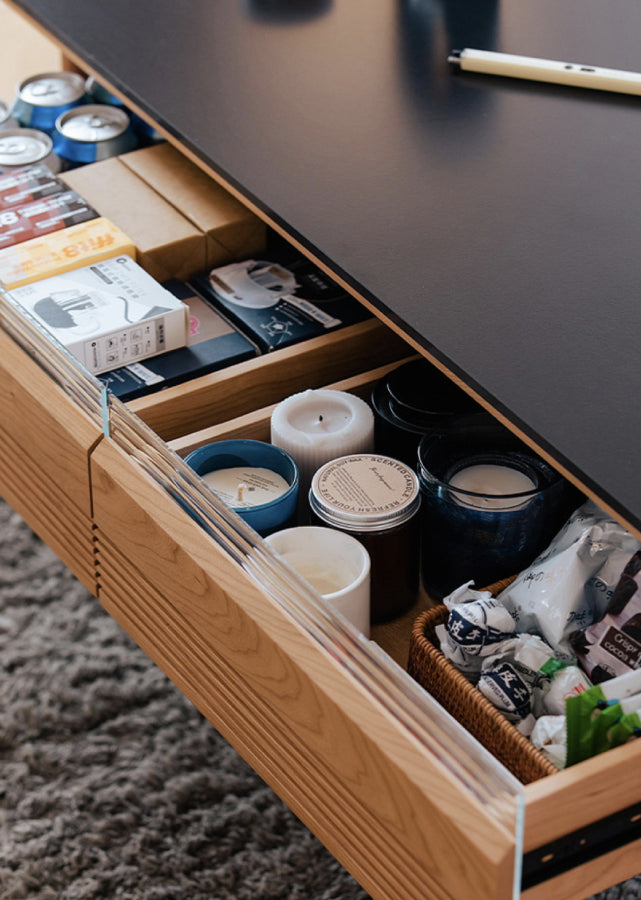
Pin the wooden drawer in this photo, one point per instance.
(45, 443)
(331, 721)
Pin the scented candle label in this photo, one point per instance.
(366, 486)
(244, 486)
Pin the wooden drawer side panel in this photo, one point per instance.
(307, 726)
(256, 425)
(45, 425)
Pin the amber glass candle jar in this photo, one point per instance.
(375, 498)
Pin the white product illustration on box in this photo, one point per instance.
(88, 312)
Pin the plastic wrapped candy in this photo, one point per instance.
(516, 676)
(549, 736)
(567, 681)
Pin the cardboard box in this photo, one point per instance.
(280, 300)
(168, 244)
(70, 248)
(212, 344)
(42, 217)
(234, 231)
(108, 313)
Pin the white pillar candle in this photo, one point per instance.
(334, 563)
(318, 425)
(243, 486)
(495, 483)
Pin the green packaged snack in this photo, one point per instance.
(597, 722)
(628, 726)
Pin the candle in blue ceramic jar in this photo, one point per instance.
(255, 479)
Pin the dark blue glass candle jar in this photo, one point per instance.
(490, 505)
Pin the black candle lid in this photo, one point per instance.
(419, 389)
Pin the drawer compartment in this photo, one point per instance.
(305, 718)
(555, 808)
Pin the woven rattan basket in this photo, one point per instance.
(452, 690)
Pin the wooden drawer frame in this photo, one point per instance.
(561, 815)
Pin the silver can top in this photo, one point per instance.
(52, 89)
(93, 123)
(23, 147)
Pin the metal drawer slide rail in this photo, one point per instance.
(581, 846)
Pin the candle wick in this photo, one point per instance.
(241, 487)
(320, 418)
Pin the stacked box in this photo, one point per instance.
(212, 344)
(107, 314)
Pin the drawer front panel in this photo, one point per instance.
(45, 442)
(378, 799)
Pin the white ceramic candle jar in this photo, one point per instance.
(334, 563)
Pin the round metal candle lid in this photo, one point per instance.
(52, 89)
(365, 492)
(23, 146)
(93, 123)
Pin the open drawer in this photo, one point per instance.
(46, 437)
(396, 789)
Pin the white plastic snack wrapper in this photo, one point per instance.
(569, 585)
(566, 682)
(549, 736)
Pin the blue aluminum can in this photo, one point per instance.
(21, 147)
(42, 98)
(92, 132)
(97, 93)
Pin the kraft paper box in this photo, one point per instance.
(212, 344)
(61, 251)
(168, 244)
(108, 314)
(234, 231)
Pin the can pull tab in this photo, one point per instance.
(44, 88)
(13, 148)
(97, 122)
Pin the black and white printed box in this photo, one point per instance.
(109, 314)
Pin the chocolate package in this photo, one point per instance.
(612, 645)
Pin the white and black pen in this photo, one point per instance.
(489, 62)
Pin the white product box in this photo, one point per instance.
(109, 314)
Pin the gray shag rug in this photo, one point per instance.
(111, 784)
